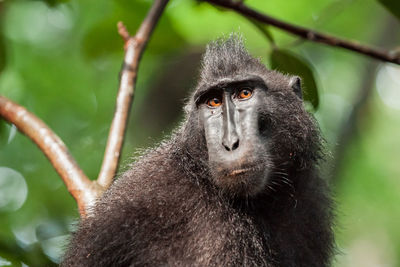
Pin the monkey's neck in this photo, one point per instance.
(283, 197)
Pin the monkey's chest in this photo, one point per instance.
(208, 238)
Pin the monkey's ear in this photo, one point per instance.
(295, 84)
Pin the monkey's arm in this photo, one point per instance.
(103, 239)
(132, 219)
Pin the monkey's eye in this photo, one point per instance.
(245, 93)
(214, 102)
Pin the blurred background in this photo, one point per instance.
(61, 59)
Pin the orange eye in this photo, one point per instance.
(214, 102)
(245, 93)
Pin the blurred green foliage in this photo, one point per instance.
(392, 6)
(61, 60)
(286, 62)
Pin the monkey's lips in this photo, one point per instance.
(240, 171)
(241, 180)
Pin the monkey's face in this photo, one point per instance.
(251, 121)
(238, 152)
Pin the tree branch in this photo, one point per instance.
(308, 34)
(134, 47)
(81, 188)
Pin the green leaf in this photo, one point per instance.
(393, 6)
(2, 53)
(287, 62)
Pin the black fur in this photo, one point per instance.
(167, 211)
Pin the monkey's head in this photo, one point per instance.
(250, 121)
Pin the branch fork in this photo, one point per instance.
(84, 190)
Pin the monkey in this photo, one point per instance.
(237, 184)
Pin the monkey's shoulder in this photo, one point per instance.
(154, 207)
(154, 177)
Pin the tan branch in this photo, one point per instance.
(134, 47)
(81, 188)
(308, 34)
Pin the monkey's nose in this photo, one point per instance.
(231, 145)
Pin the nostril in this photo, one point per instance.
(227, 148)
(232, 147)
(235, 145)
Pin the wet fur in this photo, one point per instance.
(166, 210)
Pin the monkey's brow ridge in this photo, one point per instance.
(251, 81)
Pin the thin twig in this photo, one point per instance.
(81, 188)
(308, 34)
(134, 47)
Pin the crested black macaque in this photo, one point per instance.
(235, 185)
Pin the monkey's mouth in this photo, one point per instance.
(241, 180)
(240, 171)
